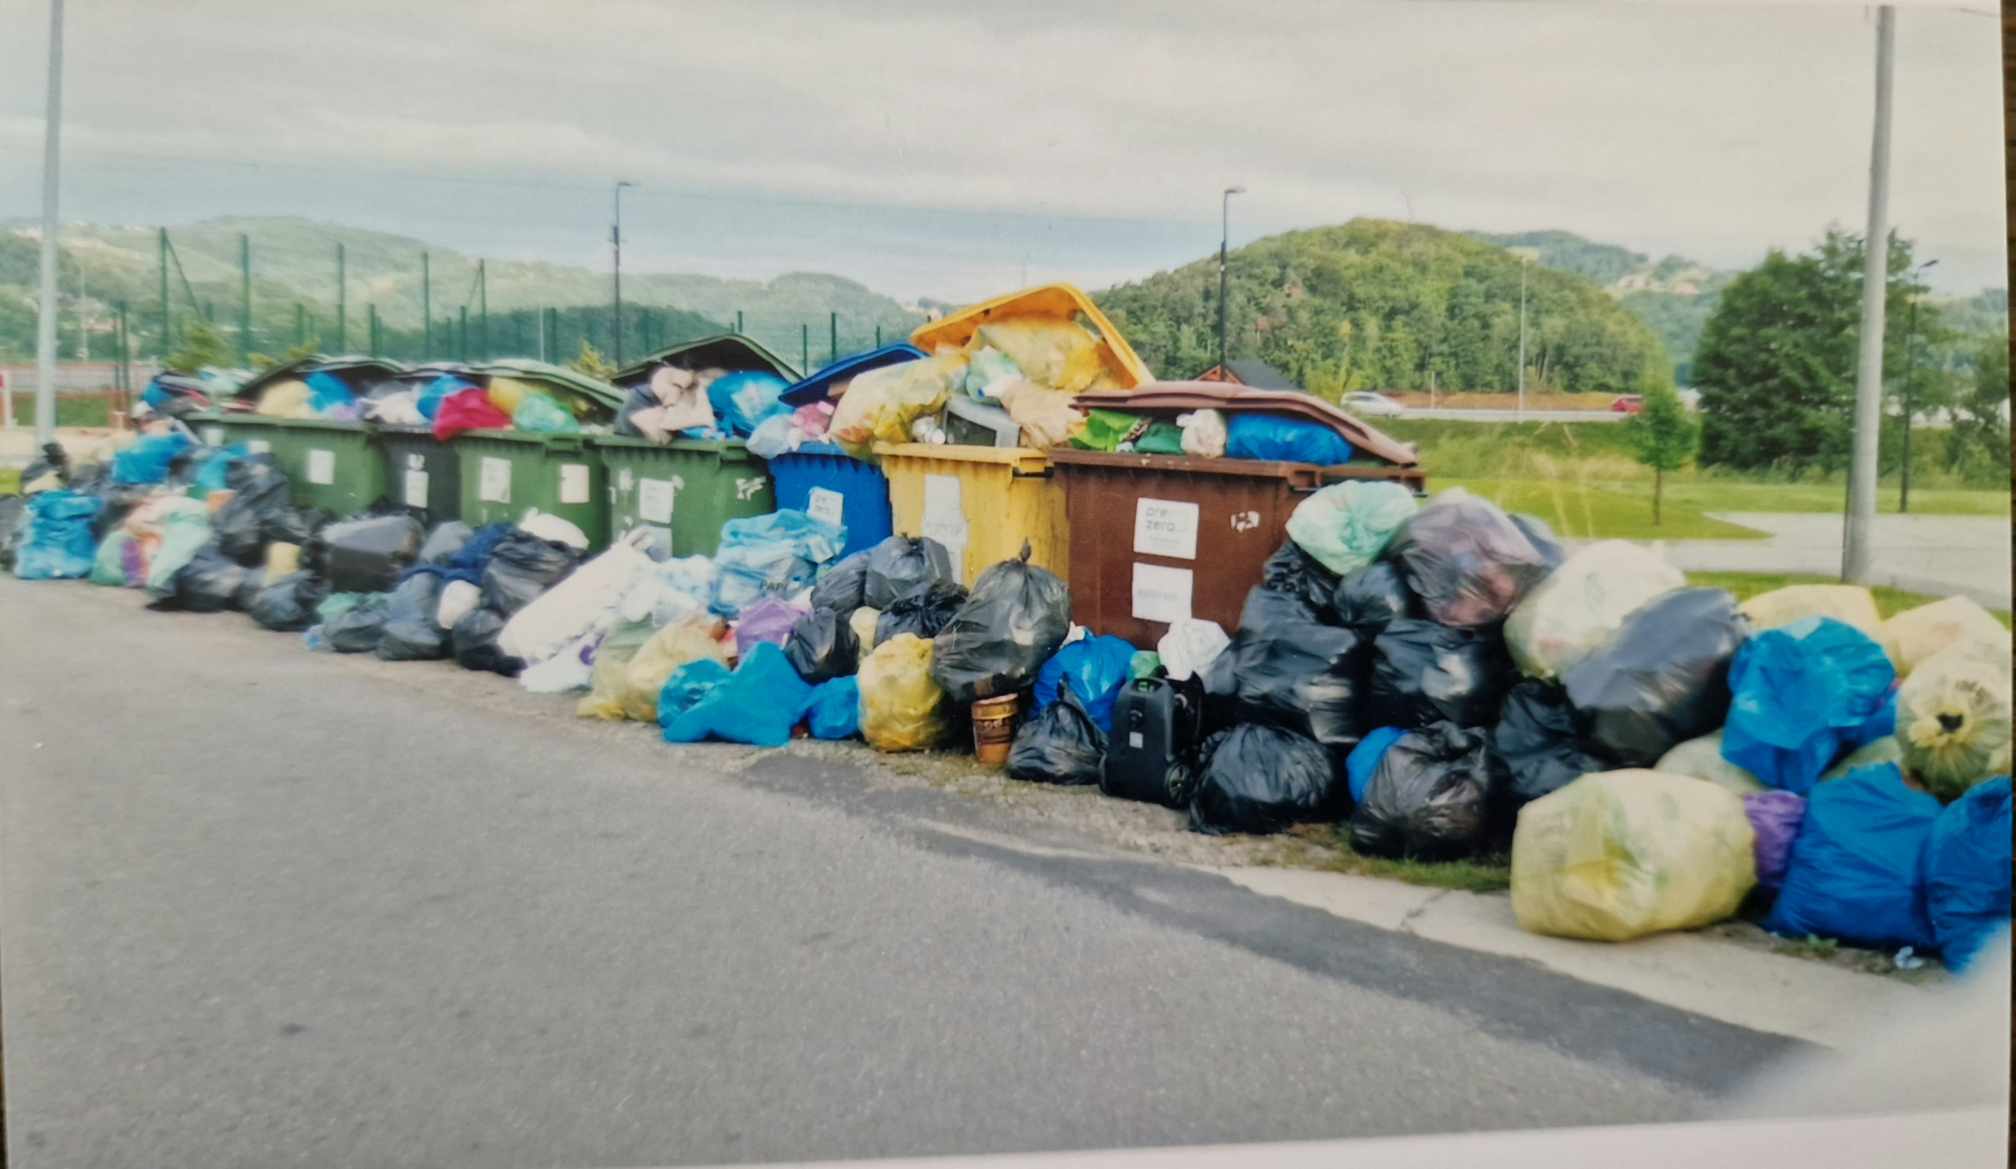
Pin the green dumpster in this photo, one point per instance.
(684, 491)
(505, 473)
(330, 464)
(728, 352)
(422, 471)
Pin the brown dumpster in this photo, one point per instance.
(1158, 538)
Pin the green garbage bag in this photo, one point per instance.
(185, 528)
(110, 566)
(1144, 664)
(1109, 430)
(337, 604)
(539, 414)
(1345, 526)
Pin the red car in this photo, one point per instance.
(1628, 404)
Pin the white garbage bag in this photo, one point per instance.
(1576, 609)
(592, 593)
(1190, 647)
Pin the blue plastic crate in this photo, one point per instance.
(819, 477)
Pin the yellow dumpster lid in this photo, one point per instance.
(1061, 302)
(1021, 458)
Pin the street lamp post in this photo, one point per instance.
(45, 322)
(1224, 244)
(1523, 261)
(1910, 373)
(616, 271)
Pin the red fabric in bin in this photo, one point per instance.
(468, 410)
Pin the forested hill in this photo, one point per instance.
(1375, 304)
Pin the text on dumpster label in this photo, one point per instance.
(416, 489)
(826, 506)
(573, 483)
(493, 481)
(213, 435)
(259, 446)
(1161, 593)
(1165, 527)
(654, 500)
(416, 462)
(1245, 521)
(322, 467)
(747, 489)
(944, 516)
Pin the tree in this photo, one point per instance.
(201, 346)
(1664, 436)
(1776, 362)
(592, 363)
(1978, 445)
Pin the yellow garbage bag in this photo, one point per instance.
(282, 560)
(286, 399)
(1848, 604)
(1917, 634)
(1059, 354)
(688, 640)
(902, 709)
(1046, 416)
(1621, 854)
(1702, 759)
(1888, 749)
(880, 405)
(863, 624)
(508, 393)
(607, 677)
(1953, 718)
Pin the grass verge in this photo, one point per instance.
(1745, 585)
(1590, 511)
(1321, 846)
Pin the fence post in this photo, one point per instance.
(483, 311)
(462, 338)
(125, 370)
(804, 346)
(878, 336)
(342, 290)
(738, 321)
(371, 316)
(833, 335)
(300, 325)
(426, 310)
(167, 328)
(244, 299)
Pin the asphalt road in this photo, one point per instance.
(265, 907)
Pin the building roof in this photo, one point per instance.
(1252, 372)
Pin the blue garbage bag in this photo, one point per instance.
(433, 393)
(1857, 872)
(213, 472)
(1291, 440)
(1880, 725)
(469, 560)
(771, 555)
(61, 541)
(1095, 667)
(146, 461)
(742, 401)
(758, 704)
(1363, 761)
(326, 391)
(686, 686)
(1800, 696)
(1967, 863)
(835, 709)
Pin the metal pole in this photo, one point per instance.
(45, 331)
(1224, 247)
(1522, 335)
(804, 345)
(371, 327)
(342, 302)
(483, 311)
(1910, 375)
(462, 335)
(300, 325)
(125, 360)
(616, 272)
(833, 332)
(167, 329)
(244, 299)
(1856, 552)
(738, 322)
(878, 336)
(426, 310)
(83, 323)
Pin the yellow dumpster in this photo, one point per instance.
(980, 502)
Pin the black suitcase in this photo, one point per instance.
(1156, 726)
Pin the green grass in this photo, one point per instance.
(71, 409)
(1588, 511)
(1324, 847)
(1815, 948)
(10, 480)
(1745, 585)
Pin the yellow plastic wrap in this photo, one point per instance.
(863, 624)
(282, 560)
(1621, 854)
(1953, 718)
(1848, 604)
(902, 709)
(880, 405)
(1916, 634)
(286, 399)
(1059, 354)
(644, 675)
(1046, 416)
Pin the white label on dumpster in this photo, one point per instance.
(944, 518)
(322, 467)
(1165, 527)
(1161, 593)
(493, 483)
(573, 483)
(213, 435)
(259, 446)
(748, 489)
(826, 505)
(654, 500)
(416, 462)
(416, 489)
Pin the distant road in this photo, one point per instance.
(1512, 415)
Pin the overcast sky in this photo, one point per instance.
(946, 150)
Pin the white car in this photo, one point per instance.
(1367, 402)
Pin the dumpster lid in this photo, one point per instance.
(733, 352)
(814, 387)
(526, 369)
(1181, 397)
(1021, 458)
(1062, 302)
(316, 363)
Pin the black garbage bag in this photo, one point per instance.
(1062, 745)
(1295, 573)
(1661, 679)
(1466, 560)
(249, 588)
(357, 630)
(638, 399)
(1536, 737)
(256, 514)
(822, 646)
(13, 528)
(444, 541)
(209, 583)
(119, 499)
(52, 469)
(1542, 537)
(521, 567)
(1371, 597)
(369, 555)
(1434, 796)
(1016, 618)
(410, 633)
(1424, 673)
(900, 566)
(841, 587)
(298, 526)
(925, 612)
(1260, 779)
(475, 643)
(1284, 669)
(288, 605)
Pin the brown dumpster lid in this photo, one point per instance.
(1305, 475)
(1165, 397)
